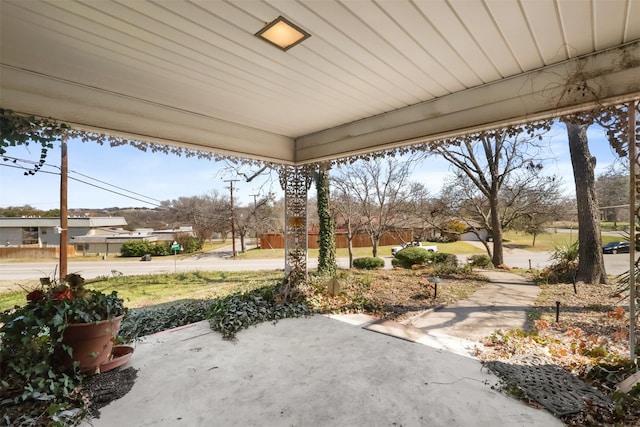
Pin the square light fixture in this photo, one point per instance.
(283, 33)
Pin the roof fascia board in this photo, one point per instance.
(83, 106)
(610, 76)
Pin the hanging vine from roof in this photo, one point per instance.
(19, 129)
(24, 130)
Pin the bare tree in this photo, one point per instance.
(591, 267)
(382, 189)
(612, 189)
(347, 213)
(489, 163)
(254, 218)
(207, 214)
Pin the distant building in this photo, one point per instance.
(35, 237)
(37, 232)
(106, 244)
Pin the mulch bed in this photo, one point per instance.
(104, 388)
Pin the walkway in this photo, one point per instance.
(500, 304)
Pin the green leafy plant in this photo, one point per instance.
(147, 321)
(368, 263)
(566, 252)
(238, 311)
(32, 354)
(565, 267)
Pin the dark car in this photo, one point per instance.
(616, 248)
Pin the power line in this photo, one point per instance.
(85, 182)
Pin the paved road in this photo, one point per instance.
(615, 264)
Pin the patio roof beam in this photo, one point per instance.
(607, 77)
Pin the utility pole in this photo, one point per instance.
(64, 222)
(233, 218)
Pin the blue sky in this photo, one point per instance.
(160, 176)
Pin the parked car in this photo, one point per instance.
(616, 248)
(430, 248)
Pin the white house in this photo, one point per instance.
(42, 232)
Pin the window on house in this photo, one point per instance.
(29, 235)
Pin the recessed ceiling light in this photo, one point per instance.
(282, 33)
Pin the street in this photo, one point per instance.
(216, 261)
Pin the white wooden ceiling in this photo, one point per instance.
(374, 74)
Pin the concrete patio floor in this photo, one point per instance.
(315, 371)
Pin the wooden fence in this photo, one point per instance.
(360, 240)
(11, 252)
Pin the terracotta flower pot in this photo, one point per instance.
(91, 342)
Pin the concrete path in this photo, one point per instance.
(351, 370)
(500, 304)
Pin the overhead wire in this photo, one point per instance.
(85, 182)
(215, 216)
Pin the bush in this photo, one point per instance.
(560, 272)
(482, 261)
(565, 267)
(410, 256)
(368, 263)
(566, 252)
(443, 258)
(191, 245)
(440, 239)
(137, 248)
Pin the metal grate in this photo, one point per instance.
(548, 384)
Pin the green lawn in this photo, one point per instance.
(141, 291)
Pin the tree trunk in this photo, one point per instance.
(591, 264)
(496, 229)
(350, 243)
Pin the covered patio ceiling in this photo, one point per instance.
(373, 75)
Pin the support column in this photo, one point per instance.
(634, 220)
(295, 182)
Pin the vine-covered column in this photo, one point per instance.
(295, 182)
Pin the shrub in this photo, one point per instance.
(565, 267)
(412, 255)
(133, 248)
(368, 263)
(443, 258)
(482, 261)
(191, 245)
(566, 252)
(560, 272)
(440, 239)
(137, 248)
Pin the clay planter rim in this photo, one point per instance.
(120, 354)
